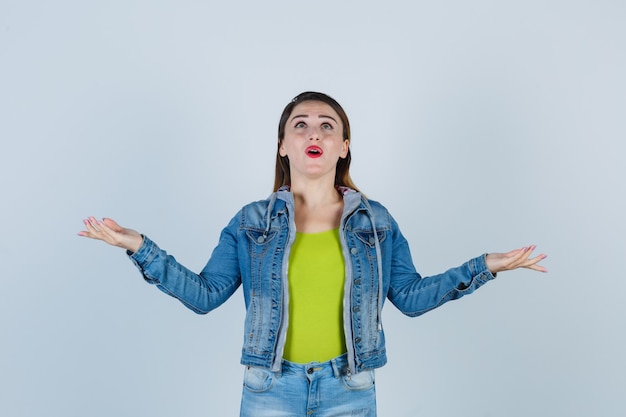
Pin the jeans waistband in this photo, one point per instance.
(338, 365)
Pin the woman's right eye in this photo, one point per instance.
(300, 124)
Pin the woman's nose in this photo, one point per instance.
(313, 134)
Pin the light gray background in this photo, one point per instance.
(482, 126)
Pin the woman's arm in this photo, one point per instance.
(199, 292)
(415, 295)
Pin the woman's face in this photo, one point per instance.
(313, 141)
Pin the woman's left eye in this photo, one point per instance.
(327, 126)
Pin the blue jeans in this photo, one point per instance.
(308, 390)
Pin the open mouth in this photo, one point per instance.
(314, 151)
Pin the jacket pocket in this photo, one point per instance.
(259, 241)
(368, 238)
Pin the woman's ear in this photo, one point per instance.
(345, 149)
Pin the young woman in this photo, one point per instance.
(317, 260)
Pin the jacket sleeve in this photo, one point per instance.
(199, 292)
(414, 295)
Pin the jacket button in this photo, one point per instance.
(372, 240)
(357, 281)
(260, 239)
(357, 340)
(354, 251)
(356, 309)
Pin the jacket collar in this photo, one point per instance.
(352, 199)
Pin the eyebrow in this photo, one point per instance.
(321, 116)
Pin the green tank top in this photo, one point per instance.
(316, 280)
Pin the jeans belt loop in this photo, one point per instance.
(336, 368)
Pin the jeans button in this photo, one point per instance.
(309, 371)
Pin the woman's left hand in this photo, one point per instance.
(518, 258)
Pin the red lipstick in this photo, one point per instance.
(314, 151)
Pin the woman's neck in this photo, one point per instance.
(318, 207)
(315, 195)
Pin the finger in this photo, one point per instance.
(519, 258)
(524, 254)
(90, 222)
(534, 263)
(528, 250)
(515, 256)
(91, 231)
(99, 230)
(106, 233)
(112, 224)
(536, 267)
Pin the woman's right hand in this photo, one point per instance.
(112, 233)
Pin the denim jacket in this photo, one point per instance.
(253, 251)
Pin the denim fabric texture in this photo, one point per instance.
(313, 389)
(253, 251)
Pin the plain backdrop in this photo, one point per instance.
(482, 126)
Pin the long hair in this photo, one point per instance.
(283, 173)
